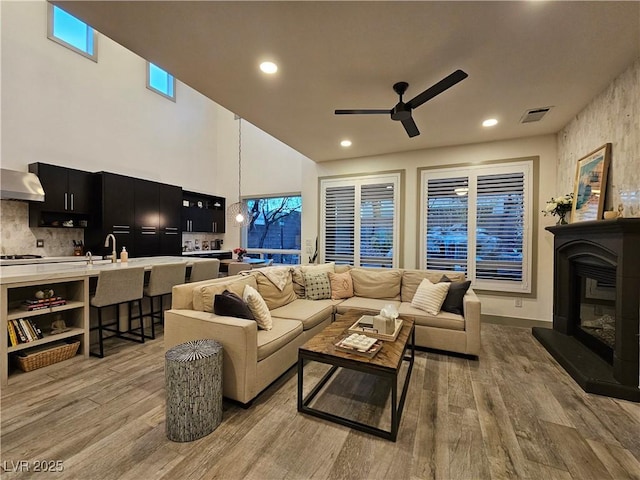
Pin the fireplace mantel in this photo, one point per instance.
(612, 245)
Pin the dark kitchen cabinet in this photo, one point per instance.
(67, 200)
(203, 213)
(147, 218)
(169, 211)
(138, 213)
(115, 195)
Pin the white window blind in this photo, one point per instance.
(360, 218)
(476, 220)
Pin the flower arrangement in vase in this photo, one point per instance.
(559, 206)
(240, 252)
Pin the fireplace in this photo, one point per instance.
(596, 305)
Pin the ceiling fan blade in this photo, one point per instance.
(411, 127)
(437, 89)
(362, 112)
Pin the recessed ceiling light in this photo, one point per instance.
(345, 143)
(490, 122)
(268, 67)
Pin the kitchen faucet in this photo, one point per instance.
(114, 255)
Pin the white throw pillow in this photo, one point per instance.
(258, 307)
(430, 296)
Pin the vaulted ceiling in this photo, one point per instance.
(519, 55)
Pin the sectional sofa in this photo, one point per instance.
(254, 358)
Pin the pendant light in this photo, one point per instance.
(238, 213)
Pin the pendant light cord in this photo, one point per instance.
(239, 159)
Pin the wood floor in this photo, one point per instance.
(513, 414)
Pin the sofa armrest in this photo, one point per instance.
(472, 306)
(239, 339)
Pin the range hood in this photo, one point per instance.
(15, 185)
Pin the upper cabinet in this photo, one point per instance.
(203, 213)
(67, 197)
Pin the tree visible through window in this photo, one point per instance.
(274, 228)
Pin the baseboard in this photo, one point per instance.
(515, 322)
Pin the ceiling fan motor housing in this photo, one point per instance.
(401, 112)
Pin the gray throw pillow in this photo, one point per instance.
(317, 285)
(453, 303)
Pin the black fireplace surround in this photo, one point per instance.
(604, 252)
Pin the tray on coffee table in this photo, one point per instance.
(364, 325)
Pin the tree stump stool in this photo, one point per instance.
(193, 376)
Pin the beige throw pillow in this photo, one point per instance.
(204, 296)
(317, 285)
(298, 276)
(258, 307)
(272, 296)
(341, 285)
(429, 296)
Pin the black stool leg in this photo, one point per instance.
(140, 319)
(100, 341)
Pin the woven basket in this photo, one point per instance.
(47, 357)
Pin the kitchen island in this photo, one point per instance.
(69, 280)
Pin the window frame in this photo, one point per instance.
(358, 180)
(90, 30)
(155, 90)
(528, 167)
(264, 252)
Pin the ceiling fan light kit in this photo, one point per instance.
(402, 111)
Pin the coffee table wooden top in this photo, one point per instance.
(389, 357)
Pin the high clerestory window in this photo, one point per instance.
(478, 220)
(71, 32)
(161, 82)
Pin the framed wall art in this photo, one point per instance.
(591, 184)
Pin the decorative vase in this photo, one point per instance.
(241, 257)
(562, 220)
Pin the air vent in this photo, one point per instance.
(534, 115)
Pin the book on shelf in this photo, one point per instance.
(13, 337)
(22, 338)
(41, 306)
(37, 301)
(36, 330)
(25, 328)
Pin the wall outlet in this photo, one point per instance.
(518, 302)
(39, 243)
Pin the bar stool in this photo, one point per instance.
(205, 270)
(237, 267)
(161, 281)
(114, 288)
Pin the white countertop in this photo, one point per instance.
(50, 271)
(203, 252)
(29, 261)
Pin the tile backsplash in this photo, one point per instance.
(17, 238)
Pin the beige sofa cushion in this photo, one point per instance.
(446, 320)
(372, 305)
(283, 332)
(376, 283)
(272, 295)
(412, 278)
(309, 312)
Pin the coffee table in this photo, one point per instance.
(386, 364)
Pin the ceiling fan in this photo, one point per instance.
(402, 111)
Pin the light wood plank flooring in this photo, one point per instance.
(513, 414)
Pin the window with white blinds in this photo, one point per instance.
(476, 220)
(359, 220)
